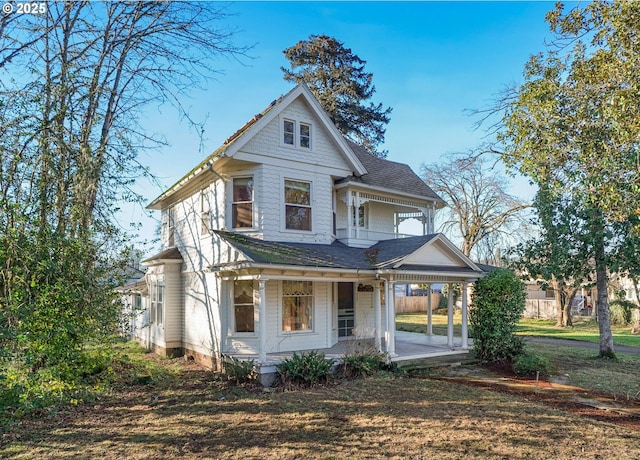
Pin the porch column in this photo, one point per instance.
(429, 312)
(377, 315)
(465, 330)
(349, 214)
(356, 214)
(390, 337)
(262, 322)
(450, 316)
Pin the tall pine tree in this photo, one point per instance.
(338, 80)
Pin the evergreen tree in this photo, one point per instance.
(338, 80)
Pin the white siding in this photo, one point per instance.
(202, 321)
(278, 341)
(323, 152)
(271, 206)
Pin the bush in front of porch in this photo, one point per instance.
(498, 303)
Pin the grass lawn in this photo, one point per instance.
(188, 412)
(584, 328)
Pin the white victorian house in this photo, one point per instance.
(286, 238)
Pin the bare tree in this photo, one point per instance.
(481, 211)
(74, 83)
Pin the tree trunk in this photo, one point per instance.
(557, 286)
(604, 323)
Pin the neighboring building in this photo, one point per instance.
(286, 239)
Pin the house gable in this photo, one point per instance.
(438, 251)
(262, 141)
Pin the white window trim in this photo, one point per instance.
(232, 314)
(296, 133)
(171, 230)
(153, 297)
(205, 214)
(312, 331)
(284, 205)
(254, 219)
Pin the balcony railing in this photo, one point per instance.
(370, 235)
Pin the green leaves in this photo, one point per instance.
(338, 80)
(498, 303)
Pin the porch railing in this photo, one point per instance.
(364, 234)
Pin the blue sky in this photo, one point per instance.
(431, 62)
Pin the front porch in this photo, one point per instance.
(409, 346)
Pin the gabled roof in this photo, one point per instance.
(167, 254)
(385, 255)
(390, 175)
(243, 135)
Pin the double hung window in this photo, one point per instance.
(297, 203)
(243, 306)
(242, 206)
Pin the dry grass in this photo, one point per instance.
(199, 416)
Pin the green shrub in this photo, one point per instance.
(529, 363)
(239, 371)
(363, 363)
(621, 312)
(305, 369)
(498, 303)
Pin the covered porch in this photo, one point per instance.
(409, 346)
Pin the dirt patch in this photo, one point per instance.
(579, 401)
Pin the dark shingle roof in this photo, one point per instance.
(388, 174)
(335, 255)
(171, 253)
(382, 255)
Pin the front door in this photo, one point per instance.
(346, 312)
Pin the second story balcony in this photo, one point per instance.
(365, 217)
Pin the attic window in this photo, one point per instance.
(296, 133)
(305, 135)
(289, 132)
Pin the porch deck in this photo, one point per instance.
(409, 346)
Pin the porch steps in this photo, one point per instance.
(416, 366)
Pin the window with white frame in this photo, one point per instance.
(296, 133)
(305, 135)
(243, 309)
(289, 132)
(170, 226)
(205, 215)
(242, 205)
(360, 217)
(157, 303)
(297, 202)
(297, 306)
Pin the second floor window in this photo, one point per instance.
(297, 199)
(205, 216)
(170, 227)
(242, 205)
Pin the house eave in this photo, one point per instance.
(247, 265)
(360, 186)
(208, 165)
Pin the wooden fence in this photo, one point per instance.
(415, 304)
